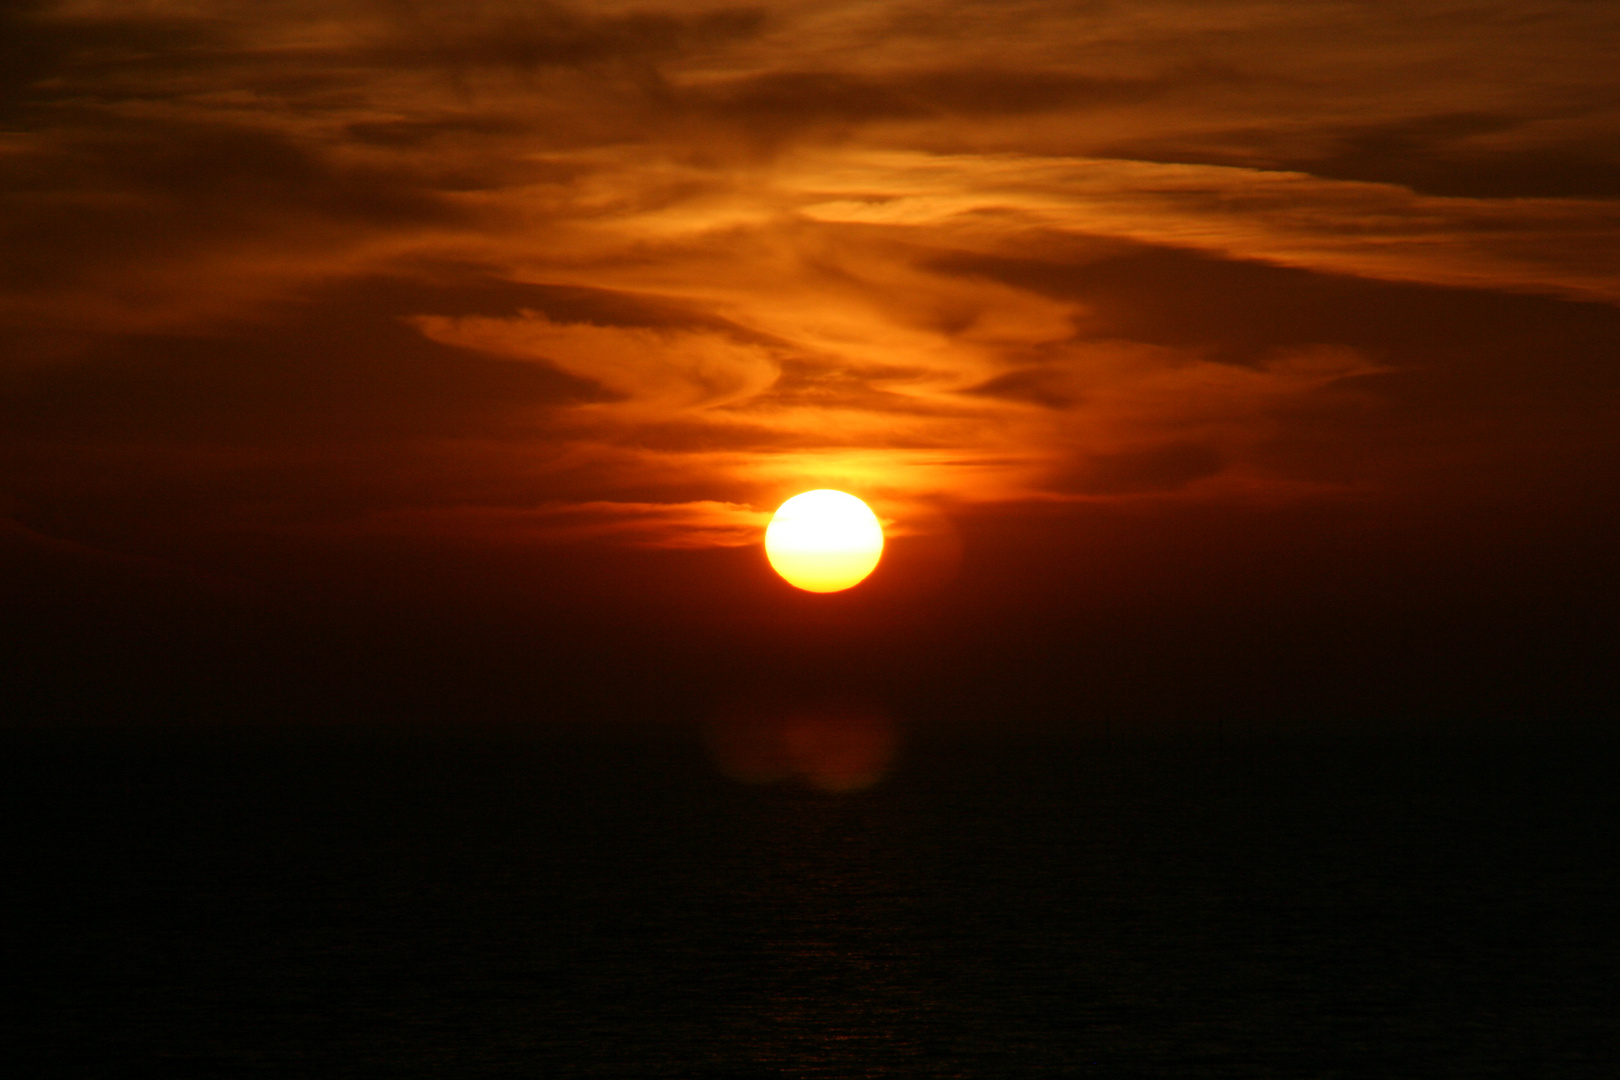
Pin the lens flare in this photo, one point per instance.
(832, 745)
(824, 541)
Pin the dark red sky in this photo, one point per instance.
(447, 359)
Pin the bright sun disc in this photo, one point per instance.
(824, 541)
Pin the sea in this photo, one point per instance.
(573, 900)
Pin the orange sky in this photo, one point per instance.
(310, 276)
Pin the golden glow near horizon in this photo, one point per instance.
(824, 541)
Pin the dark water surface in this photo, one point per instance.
(371, 904)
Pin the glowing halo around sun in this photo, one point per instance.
(824, 541)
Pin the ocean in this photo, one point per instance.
(575, 901)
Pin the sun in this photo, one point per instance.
(824, 541)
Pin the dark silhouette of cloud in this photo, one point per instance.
(531, 35)
(772, 104)
(1038, 386)
(1467, 155)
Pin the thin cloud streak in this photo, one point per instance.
(1558, 246)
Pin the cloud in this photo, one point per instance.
(1381, 231)
(699, 524)
(778, 107)
(1170, 467)
(535, 34)
(667, 369)
(341, 364)
(1463, 154)
(303, 264)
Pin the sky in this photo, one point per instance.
(1203, 357)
